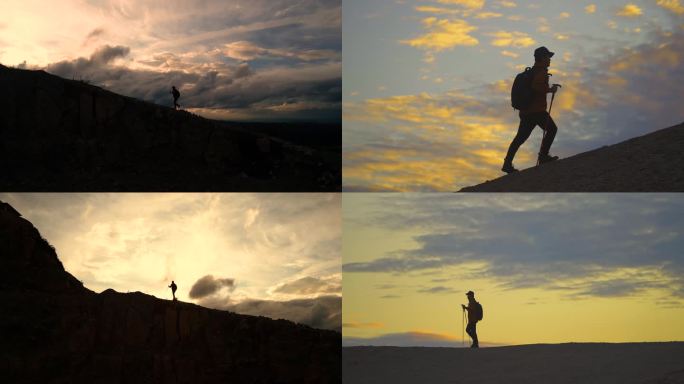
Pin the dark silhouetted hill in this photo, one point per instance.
(53, 330)
(66, 135)
(586, 363)
(649, 163)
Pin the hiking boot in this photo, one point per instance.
(475, 346)
(546, 158)
(508, 168)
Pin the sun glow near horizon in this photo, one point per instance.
(409, 259)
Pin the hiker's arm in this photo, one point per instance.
(540, 83)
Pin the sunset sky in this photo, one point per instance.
(240, 59)
(547, 268)
(427, 83)
(276, 255)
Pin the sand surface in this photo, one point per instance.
(649, 163)
(642, 363)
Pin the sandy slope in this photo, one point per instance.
(643, 363)
(649, 163)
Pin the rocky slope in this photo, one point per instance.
(53, 330)
(650, 163)
(66, 135)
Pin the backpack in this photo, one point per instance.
(521, 92)
(479, 313)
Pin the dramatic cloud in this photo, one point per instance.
(208, 285)
(442, 141)
(308, 286)
(236, 89)
(241, 60)
(600, 249)
(322, 312)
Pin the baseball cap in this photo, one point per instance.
(470, 293)
(542, 52)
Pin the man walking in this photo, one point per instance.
(173, 289)
(535, 113)
(176, 95)
(474, 315)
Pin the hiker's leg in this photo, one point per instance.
(524, 130)
(474, 336)
(549, 126)
(469, 330)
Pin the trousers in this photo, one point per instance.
(471, 330)
(527, 124)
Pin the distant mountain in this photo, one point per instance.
(66, 135)
(54, 330)
(650, 163)
(587, 363)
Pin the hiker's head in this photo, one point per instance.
(173, 86)
(470, 295)
(542, 55)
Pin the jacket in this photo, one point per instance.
(540, 87)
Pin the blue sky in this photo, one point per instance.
(242, 60)
(427, 83)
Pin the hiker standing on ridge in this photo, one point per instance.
(529, 96)
(176, 95)
(173, 289)
(474, 315)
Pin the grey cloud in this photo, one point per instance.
(229, 86)
(574, 238)
(618, 287)
(106, 53)
(93, 35)
(437, 290)
(307, 286)
(208, 285)
(322, 312)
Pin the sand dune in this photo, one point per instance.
(642, 363)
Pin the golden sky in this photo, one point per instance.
(261, 251)
(547, 268)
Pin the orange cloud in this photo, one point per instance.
(443, 34)
(591, 8)
(672, 5)
(470, 4)
(511, 39)
(630, 10)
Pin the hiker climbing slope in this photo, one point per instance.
(176, 95)
(173, 289)
(474, 315)
(529, 97)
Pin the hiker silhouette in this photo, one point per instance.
(176, 95)
(173, 289)
(533, 111)
(474, 315)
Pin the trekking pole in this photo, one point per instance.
(553, 96)
(463, 329)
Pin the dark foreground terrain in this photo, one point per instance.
(66, 135)
(649, 163)
(586, 363)
(54, 330)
